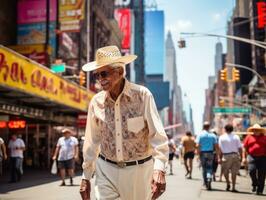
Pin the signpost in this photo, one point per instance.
(233, 110)
(58, 68)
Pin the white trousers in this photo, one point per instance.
(129, 183)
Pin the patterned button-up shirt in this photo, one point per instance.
(127, 129)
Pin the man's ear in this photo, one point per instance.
(121, 71)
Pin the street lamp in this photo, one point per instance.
(253, 42)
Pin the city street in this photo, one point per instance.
(43, 186)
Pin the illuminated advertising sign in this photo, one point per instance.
(122, 3)
(34, 11)
(14, 124)
(123, 17)
(70, 14)
(21, 74)
(71, 10)
(261, 6)
(36, 34)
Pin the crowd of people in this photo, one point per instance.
(230, 152)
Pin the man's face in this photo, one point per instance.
(108, 77)
(67, 134)
(13, 137)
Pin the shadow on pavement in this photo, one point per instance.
(30, 178)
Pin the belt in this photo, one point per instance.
(229, 153)
(206, 151)
(123, 164)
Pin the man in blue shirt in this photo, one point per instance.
(206, 144)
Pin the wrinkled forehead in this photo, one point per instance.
(104, 68)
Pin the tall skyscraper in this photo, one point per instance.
(218, 57)
(154, 42)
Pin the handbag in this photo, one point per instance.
(54, 168)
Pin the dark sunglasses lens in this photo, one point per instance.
(103, 74)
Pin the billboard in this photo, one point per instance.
(35, 52)
(70, 14)
(123, 17)
(261, 6)
(34, 11)
(36, 34)
(21, 74)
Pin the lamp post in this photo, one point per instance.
(253, 42)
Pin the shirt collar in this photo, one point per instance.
(126, 90)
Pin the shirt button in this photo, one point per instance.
(117, 120)
(118, 134)
(118, 150)
(116, 104)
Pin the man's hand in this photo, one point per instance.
(158, 184)
(85, 189)
(76, 157)
(54, 157)
(244, 161)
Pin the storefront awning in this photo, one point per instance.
(24, 82)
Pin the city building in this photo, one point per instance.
(218, 57)
(154, 42)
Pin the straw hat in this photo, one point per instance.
(256, 128)
(106, 56)
(65, 130)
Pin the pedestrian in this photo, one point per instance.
(124, 139)
(16, 147)
(3, 155)
(172, 150)
(230, 152)
(255, 152)
(206, 143)
(215, 160)
(189, 147)
(67, 152)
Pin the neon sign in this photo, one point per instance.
(261, 14)
(14, 124)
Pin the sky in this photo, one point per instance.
(196, 62)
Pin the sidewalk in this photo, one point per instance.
(43, 186)
(178, 187)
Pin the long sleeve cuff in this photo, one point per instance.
(159, 165)
(87, 174)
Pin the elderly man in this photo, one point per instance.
(125, 140)
(255, 152)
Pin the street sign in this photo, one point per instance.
(58, 68)
(231, 110)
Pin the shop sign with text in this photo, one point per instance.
(21, 74)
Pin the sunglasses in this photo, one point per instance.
(103, 74)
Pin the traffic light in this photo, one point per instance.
(221, 103)
(181, 43)
(82, 78)
(223, 74)
(236, 75)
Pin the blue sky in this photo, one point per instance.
(196, 62)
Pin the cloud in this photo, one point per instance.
(216, 17)
(183, 25)
(180, 26)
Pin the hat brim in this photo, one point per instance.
(252, 129)
(93, 65)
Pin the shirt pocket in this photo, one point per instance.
(135, 124)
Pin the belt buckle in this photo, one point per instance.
(121, 164)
